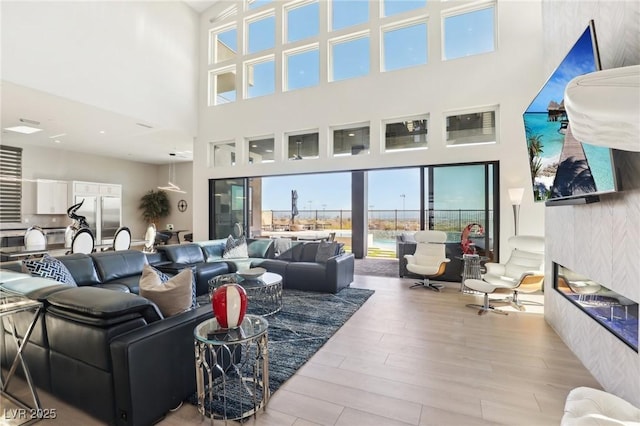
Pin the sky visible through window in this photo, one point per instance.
(466, 33)
(456, 187)
(469, 33)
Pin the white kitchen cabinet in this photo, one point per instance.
(51, 197)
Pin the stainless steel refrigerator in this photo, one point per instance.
(103, 214)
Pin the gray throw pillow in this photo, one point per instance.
(326, 250)
(281, 245)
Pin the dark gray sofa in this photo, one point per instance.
(297, 266)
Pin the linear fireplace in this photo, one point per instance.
(613, 311)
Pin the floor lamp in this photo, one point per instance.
(515, 195)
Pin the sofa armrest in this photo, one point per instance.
(340, 270)
(147, 386)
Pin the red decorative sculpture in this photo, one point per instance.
(465, 242)
(229, 303)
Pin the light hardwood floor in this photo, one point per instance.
(417, 357)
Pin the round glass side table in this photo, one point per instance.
(232, 368)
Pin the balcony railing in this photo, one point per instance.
(382, 220)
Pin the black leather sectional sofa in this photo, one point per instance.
(111, 353)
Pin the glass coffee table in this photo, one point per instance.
(264, 293)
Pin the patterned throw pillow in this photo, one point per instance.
(236, 248)
(49, 267)
(164, 278)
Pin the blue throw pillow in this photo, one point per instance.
(49, 267)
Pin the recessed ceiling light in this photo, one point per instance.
(57, 141)
(268, 150)
(27, 130)
(57, 136)
(102, 132)
(254, 146)
(352, 134)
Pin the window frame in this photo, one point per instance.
(332, 42)
(398, 25)
(248, 142)
(213, 84)
(245, 75)
(285, 65)
(461, 10)
(213, 36)
(247, 21)
(358, 125)
(473, 110)
(426, 116)
(285, 18)
(211, 157)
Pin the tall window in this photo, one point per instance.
(404, 46)
(302, 68)
(302, 21)
(469, 33)
(350, 57)
(260, 78)
(261, 34)
(222, 86)
(223, 45)
(394, 7)
(346, 13)
(10, 184)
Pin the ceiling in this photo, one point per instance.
(74, 126)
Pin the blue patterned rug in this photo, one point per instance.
(307, 320)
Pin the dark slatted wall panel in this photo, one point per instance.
(10, 183)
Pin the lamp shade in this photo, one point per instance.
(515, 195)
(603, 108)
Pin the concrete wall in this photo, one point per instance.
(508, 77)
(601, 240)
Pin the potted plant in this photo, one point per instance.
(155, 205)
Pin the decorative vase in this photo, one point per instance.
(229, 303)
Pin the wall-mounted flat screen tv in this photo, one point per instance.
(563, 168)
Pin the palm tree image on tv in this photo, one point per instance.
(560, 165)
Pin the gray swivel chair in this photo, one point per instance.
(429, 259)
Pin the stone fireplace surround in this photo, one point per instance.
(600, 240)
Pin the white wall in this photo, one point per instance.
(509, 77)
(132, 57)
(136, 179)
(601, 240)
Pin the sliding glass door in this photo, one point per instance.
(461, 202)
(228, 206)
